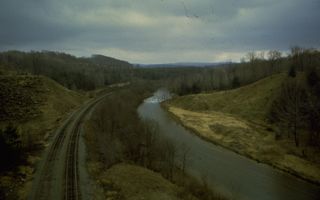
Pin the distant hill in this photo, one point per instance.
(106, 61)
(184, 64)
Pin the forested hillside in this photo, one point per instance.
(255, 66)
(296, 109)
(70, 71)
(97, 70)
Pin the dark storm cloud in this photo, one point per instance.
(159, 30)
(24, 22)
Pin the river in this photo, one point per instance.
(230, 173)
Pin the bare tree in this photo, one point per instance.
(150, 142)
(297, 57)
(261, 55)
(274, 56)
(184, 158)
(251, 56)
(288, 110)
(170, 158)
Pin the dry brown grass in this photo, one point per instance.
(247, 139)
(236, 119)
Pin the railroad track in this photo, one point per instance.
(49, 177)
(72, 191)
(44, 185)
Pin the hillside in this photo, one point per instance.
(72, 72)
(236, 119)
(107, 62)
(35, 106)
(127, 181)
(25, 97)
(35, 101)
(251, 102)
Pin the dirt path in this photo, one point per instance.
(57, 175)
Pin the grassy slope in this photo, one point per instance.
(36, 105)
(236, 119)
(250, 102)
(140, 183)
(58, 102)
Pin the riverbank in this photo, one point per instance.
(246, 138)
(117, 165)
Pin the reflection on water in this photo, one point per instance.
(223, 169)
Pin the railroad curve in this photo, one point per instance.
(57, 175)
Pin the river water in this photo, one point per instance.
(231, 174)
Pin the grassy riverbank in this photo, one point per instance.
(235, 119)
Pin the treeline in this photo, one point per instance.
(97, 71)
(255, 66)
(70, 71)
(296, 109)
(116, 134)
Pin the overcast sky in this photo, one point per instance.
(159, 31)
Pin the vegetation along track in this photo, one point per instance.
(58, 176)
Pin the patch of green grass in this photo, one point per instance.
(251, 102)
(140, 183)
